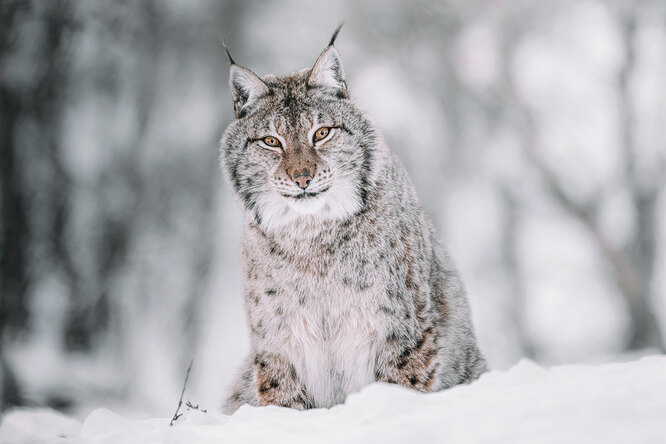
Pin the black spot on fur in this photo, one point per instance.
(387, 310)
(395, 294)
(254, 297)
(392, 336)
(276, 250)
(362, 284)
(288, 100)
(257, 219)
(258, 330)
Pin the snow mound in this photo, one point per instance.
(624, 402)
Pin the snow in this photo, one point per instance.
(617, 402)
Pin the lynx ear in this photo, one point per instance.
(327, 70)
(246, 87)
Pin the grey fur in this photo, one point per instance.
(345, 285)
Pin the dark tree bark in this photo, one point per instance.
(14, 231)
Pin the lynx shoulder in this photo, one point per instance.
(344, 281)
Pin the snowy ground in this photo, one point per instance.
(624, 402)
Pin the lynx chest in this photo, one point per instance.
(331, 339)
(314, 315)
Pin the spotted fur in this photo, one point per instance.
(344, 281)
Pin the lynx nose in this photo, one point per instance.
(303, 179)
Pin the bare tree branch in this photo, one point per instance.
(180, 401)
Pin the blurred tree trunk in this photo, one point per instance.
(636, 272)
(512, 268)
(231, 18)
(632, 265)
(48, 101)
(35, 105)
(14, 231)
(92, 311)
(15, 235)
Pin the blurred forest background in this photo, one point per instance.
(535, 128)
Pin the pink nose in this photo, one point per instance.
(303, 180)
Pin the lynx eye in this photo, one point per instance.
(271, 141)
(321, 134)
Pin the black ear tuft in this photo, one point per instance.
(335, 34)
(226, 49)
(327, 71)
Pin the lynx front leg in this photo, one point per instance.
(277, 383)
(410, 362)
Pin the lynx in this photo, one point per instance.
(344, 281)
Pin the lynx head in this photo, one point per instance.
(299, 147)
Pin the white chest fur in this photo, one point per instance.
(332, 343)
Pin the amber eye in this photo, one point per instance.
(321, 134)
(271, 141)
